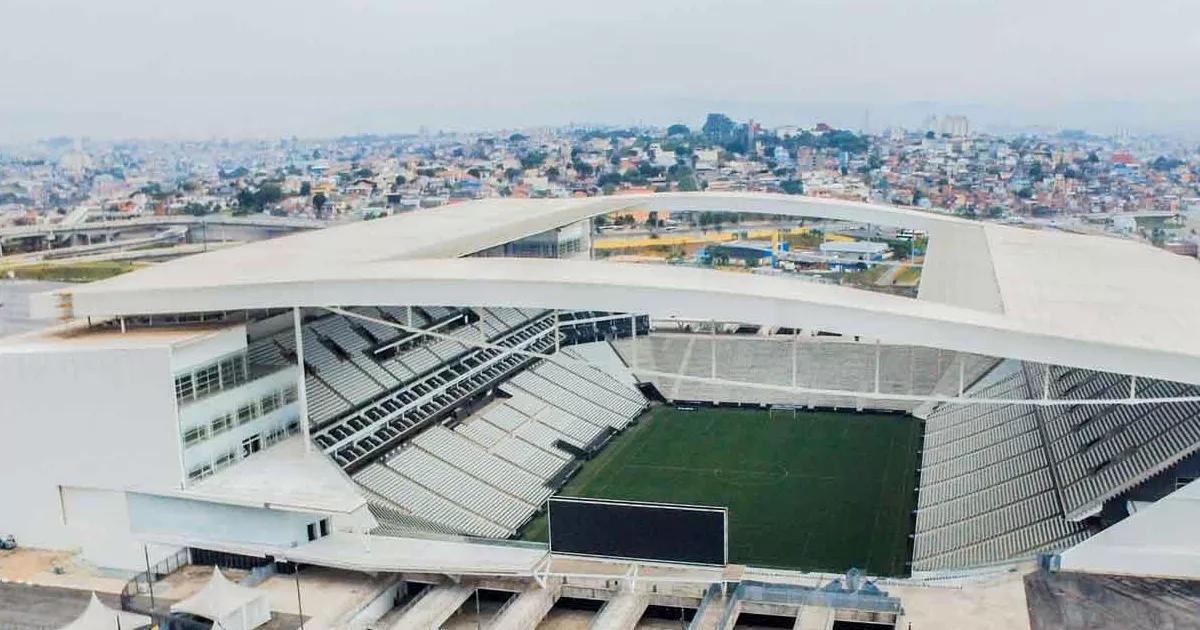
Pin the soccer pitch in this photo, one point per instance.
(805, 490)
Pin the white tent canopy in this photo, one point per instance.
(97, 616)
(230, 606)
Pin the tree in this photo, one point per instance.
(678, 130)
(652, 219)
(582, 168)
(196, 209)
(400, 181)
(793, 187)
(305, 189)
(319, 201)
(718, 126)
(518, 137)
(511, 174)
(533, 159)
(1163, 163)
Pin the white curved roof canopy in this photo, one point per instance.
(1085, 301)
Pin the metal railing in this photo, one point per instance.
(143, 582)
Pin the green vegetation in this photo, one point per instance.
(72, 271)
(865, 277)
(908, 276)
(810, 490)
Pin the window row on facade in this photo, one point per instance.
(245, 413)
(225, 373)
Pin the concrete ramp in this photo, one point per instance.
(621, 612)
(525, 610)
(814, 618)
(432, 608)
(712, 609)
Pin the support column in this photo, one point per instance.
(795, 351)
(878, 359)
(301, 385)
(633, 347)
(714, 349)
(962, 373)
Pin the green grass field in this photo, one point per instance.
(809, 490)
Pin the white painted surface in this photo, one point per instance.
(207, 348)
(152, 516)
(1159, 540)
(1084, 301)
(85, 418)
(98, 521)
(284, 476)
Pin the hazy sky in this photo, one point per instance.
(200, 68)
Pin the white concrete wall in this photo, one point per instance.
(82, 418)
(98, 521)
(205, 410)
(208, 348)
(1159, 540)
(172, 517)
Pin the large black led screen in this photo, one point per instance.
(638, 531)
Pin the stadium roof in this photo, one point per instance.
(1085, 301)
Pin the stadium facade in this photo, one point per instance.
(394, 394)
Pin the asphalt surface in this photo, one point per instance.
(26, 607)
(1082, 601)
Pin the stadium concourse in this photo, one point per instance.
(403, 397)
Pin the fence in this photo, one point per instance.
(143, 583)
(751, 591)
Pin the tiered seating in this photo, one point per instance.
(1001, 482)
(339, 330)
(461, 452)
(461, 488)
(1103, 450)
(380, 423)
(343, 377)
(381, 332)
(542, 462)
(324, 404)
(595, 411)
(819, 363)
(987, 489)
(266, 352)
(496, 465)
(506, 431)
(415, 499)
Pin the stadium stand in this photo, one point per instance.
(490, 473)
(819, 363)
(1005, 482)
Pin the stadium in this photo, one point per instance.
(470, 396)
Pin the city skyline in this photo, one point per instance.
(132, 69)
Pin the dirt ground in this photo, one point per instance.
(55, 568)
